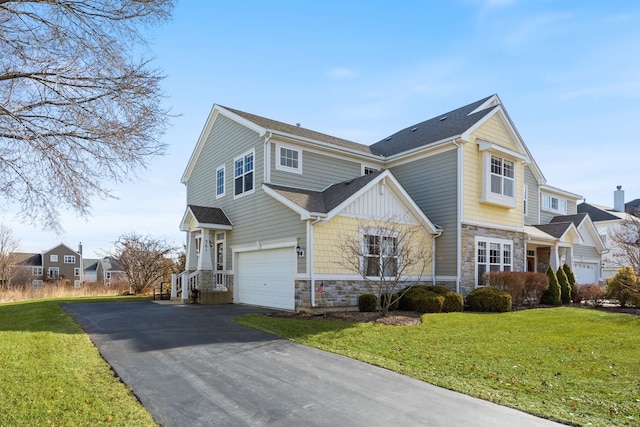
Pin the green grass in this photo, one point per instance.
(51, 373)
(576, 366)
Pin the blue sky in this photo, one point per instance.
(568, 73)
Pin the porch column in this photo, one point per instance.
(204, 258)
(554, 259)
(191, 263)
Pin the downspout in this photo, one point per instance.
(433, 257)
(267, 158)
(310, 260)
(459, 201)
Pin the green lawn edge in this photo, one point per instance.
(572, 365)
(52, 374)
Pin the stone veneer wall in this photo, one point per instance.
(469, 232)
(544, 259)
(333, 294)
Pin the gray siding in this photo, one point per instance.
(432, 183)
(256, 216)
(584, 251)
(226, 141)
(533, 208)
(318, 171)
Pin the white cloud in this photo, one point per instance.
(340, 73)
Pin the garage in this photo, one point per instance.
(586, 273)
(266, 278)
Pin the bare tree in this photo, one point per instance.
(8, 259)
(626, 238)
(389, 255)
(79, 105)
(143, 259)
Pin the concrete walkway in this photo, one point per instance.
(191, 365)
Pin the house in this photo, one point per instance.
(108, 271)
(268, 201)
(59, 262)
(89, 269)
(609, 221)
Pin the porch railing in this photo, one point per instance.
(183, 283)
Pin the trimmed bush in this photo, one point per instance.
(552, 295)
(534, 286)
(508, 281)
(394, 300)
(408, 297)
(489, 299)
(452, 302)
(565, 286)
(428, 302)
(440, 290)
(367, 302)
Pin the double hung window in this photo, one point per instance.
(380, 255)
(493, 255)
(243, 174)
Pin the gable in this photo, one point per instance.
(380, 202)
(495, 131)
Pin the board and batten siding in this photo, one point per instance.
(318, 170)
(533, 201)
(432, 184)
(226, 141)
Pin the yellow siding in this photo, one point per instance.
(328, 239)
(492, 131)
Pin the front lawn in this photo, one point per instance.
(51, 373)
(576, 366)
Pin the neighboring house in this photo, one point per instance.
(28, 269)
(267, 203)
(108, 271)
(59, 262)
(609, 221)
(90, 267)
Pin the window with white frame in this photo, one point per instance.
(53, 258)
(36, 283)
(380, 254)
(53, 273)
(76, 284)
(493, 255)
(220, 182)
(555, 204)
(36, 271)
(502, 176)
(525, 200)
(76, 271)
(289, 159)
(69, 259)
(243, 174)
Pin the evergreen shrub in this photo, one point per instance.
(367, 303)
(489, 299)
(552, 295)
(565, 286)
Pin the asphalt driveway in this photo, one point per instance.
(191, 365)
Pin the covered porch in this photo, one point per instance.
(205, 279)
(549, 245)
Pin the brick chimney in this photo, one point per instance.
(618, 199)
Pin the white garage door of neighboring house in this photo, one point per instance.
(586, 273)
(266, 278)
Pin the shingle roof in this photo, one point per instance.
(632, 207)
(575, 219)
(595, 213)
(207, 215)
(436, 129)
(27, 258)
(556, 229)
(326, 200)
(300, 131)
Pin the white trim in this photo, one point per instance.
(364, 166)
(224, 181)
(498, 149)
(278, 159)
(251, 152)
(558, 191)
(487, 263)
(488, 196)
(493, 225)
(422, 152)
(262, 245)
(357, 277)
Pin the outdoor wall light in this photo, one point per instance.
(299, 251)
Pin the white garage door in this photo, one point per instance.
(266, 278)
(586, 273)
